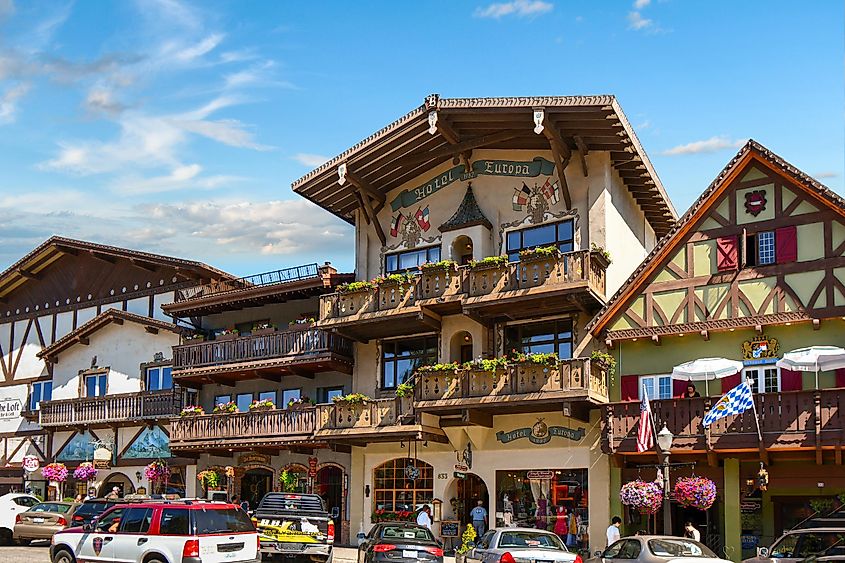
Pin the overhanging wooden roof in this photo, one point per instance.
(661, 252)
(81, 334)
(405, 148)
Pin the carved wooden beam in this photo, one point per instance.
(452, 150)
(435, 125)
(582, 153)
(362, 195)
(362, 185)
(560, 151)
(360, 200)
(476, 418)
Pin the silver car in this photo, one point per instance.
(657, 549)
(820, 544)
(520, 545)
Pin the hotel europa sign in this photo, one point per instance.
(541, 433)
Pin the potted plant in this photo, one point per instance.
(300, 403)
(605, 360)
(57, 472)
(442, 266)
(600, 252)
(157, 473)
(262, 328)
(355, 297)
(85, 472)
(533, 370)
(193, 338)
(405, 389)
(467, 538)
(226, 334)
(644, 497)
(261, 405)
(539, 253)
(351, 399)
(488, 262)
(301, 324)
(288, 481)
(695, 492)
(210, 479)
(225, 408)
(191, 410)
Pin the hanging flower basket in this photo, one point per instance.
(695, 492)
(55, 472)
(209, 478)
(85, 472)
(644, 497)
(157, 471)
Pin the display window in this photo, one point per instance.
(549, 499)
(402, 485)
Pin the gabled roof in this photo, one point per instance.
(55, 247)
(752, 151)
(467, 215)
(82, 332)
(407, 147)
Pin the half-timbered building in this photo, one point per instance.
(754, 269)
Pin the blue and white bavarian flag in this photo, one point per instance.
(736, 401)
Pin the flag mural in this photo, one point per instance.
(520, 197)
(422, 218)
(645, 435)
(550, 192)
(396, 225)
(736, 401)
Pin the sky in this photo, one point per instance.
(178, 127)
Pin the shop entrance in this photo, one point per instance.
(255, 484)
(119, 480)
(468, 492)
(329, 485)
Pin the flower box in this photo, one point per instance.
(530, 377)
(436, 385)
(484, 383)
(486, 278)
(225, 337)
(300, 326)
(394, 295)
(263, 331)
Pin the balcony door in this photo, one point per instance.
(255, 484)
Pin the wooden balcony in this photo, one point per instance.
(789, 421)
(242, 431)
(518, 388)
(272, 355)
(379, 420)
(126, 408)
(571, 281)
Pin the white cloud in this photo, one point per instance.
(640, 4)
(713, 144)
(102, 99)
(826, 174)
(310, 160)
(9, 101)
(520, 8)
(637, 22)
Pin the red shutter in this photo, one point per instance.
(791, 380)
(678, 387)
(840, 377)
(726, 253)
(630, 386)
(730, 382)
(786, 245)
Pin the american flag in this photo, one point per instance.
(645, 436)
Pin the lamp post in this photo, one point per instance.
(664, 442)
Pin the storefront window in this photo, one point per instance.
(547, 499)
(541, 338)
(297, 479)
(402, 484)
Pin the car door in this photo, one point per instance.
(131, 539)
(482, 550)
(96, 545)
(614, 552)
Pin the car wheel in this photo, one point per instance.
(5, 536)
(63, 556)
(153, 560)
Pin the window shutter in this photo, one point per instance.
(786, 245)
(840, 377)
(679, 386)
(726, 253)
(730, 382)
(630, 386)
(791, 380)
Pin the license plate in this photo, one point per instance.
(38, 520)
(284, 546)
(409, 554)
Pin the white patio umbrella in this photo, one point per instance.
(814, 358)
(705, 369)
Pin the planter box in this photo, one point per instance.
(355, 302)
(261, 410)
(225, 337)
(194, 340)
(536, 271)
(534, 378)
(484, 280)
(263, 331)
(436, 385)
(395, 296)
(349, 415)
(487, 383)
(300, 326)
(438, 282)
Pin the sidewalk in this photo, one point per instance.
(350, 555)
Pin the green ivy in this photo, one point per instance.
(438, 367)
(352, 287)
(539, 252)
(405, 389)
(604, 358)
(600, 249)
(489, 261)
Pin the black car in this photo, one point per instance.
(92, 508)
(398, 542)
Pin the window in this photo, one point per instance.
(174, 522)
(190, 397)
(554, 234)
(410, 259)
(221, 521)
(25, 501)
(401, 357)
(289, 395)
(541, 338)
(267, 396)
(95, 385)
(765, 248)
(109, 519)
(764, 379)
(243, 400)
(393, 491)
(222, 399)
(327, 394)
(159, 378)
(656, 386)
(41, 391)
(137, 521)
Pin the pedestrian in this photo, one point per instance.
(115, 493)
(613, 533)
(78, 498)
(691, 532)
(424, 517)
(691, 392)
(479, 518)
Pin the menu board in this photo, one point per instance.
(450, 528)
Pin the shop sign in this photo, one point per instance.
(10, 408)
(531, 169)
(102, 458)
(760, 348)
(312, 467)
(31, 463)
(748, 541)
(254, 459)
(541, 433)
(461, 467)
(412, 473)
(750, 506)
(460, 475)
(540, 474)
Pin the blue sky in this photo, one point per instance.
(177, 127)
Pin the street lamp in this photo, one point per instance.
(664, 442)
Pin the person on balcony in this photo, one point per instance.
(690, 392)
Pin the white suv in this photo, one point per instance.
(162, 532)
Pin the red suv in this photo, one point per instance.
(162, 532)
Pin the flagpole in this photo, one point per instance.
(754, 407)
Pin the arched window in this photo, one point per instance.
(402, 484)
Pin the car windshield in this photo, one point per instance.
(221, 521)
(92, 508)
(25, 501)
(530, 540)
(400, 532)
(678, 548)
(50, 507)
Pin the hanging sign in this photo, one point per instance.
(10, 408)
(254, 459)
(31, 463)
(461, 467)
(760, 348)
(312, 466)
(460, 475)
(511, 168)
(102, 458)
(540, 474)
(541, 433)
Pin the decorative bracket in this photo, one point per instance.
(341, 173)
(539, 118)
(432, 122)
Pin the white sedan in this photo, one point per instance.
(520, 545)
(11, 505)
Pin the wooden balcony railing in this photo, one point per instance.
(583, 269)
(275, 277)
(578, 377)
(788, 420)
(272, 426)
(110, 409)
(289, 343)
(372, 414)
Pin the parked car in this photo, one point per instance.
(657, 549)
(91, 508)
(12, 504)
(520, 545)
(43, 520)
(817, 544)
(161, 532)
(295, 526)
(400, 542)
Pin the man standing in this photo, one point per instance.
(613, 533)
(424, 517)
(691, 532)
(114, 494)
(479, 518)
